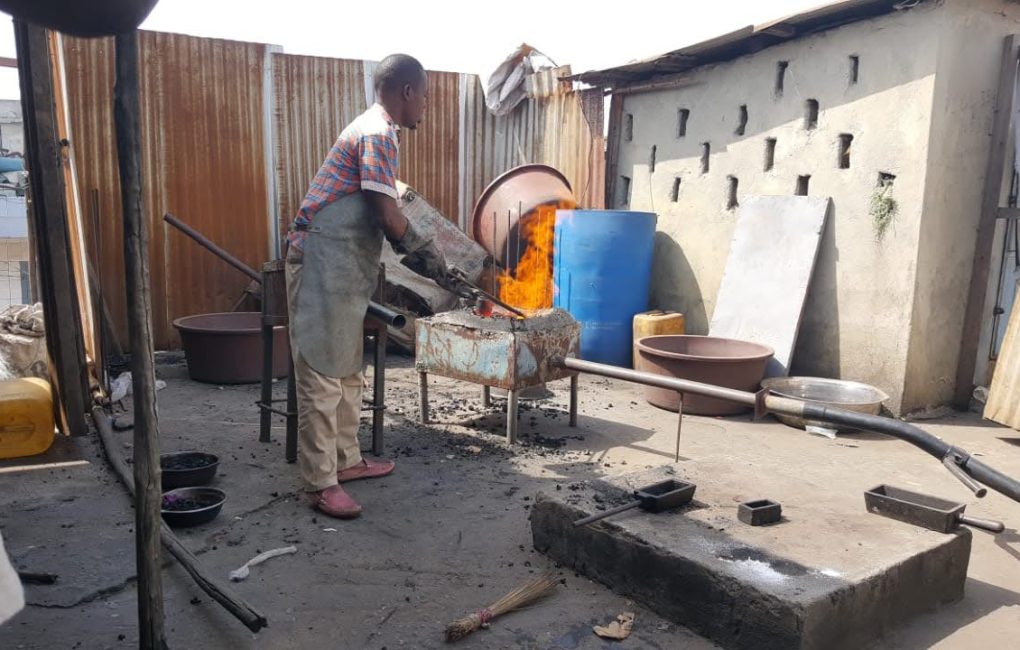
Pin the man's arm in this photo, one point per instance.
(391, 219)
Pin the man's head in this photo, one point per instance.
(401, 86)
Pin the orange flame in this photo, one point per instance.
(530, 287)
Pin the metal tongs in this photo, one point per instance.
(467, 289)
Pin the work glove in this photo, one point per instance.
(422, 256)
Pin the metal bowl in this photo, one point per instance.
(211, 499)
(838, 393)
(191, 476)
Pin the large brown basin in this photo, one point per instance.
(707, 359)
(226, 348)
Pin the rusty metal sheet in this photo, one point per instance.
(559, 127)
(202, 158)
(428, 154)
(315, 98)
(498, 352)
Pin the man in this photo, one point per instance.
(332, 268)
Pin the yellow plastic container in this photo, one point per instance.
(656, 323)
(26, 417)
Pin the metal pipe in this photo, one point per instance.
(380, 312)
(940, 449)
(201, 240)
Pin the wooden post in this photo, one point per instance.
(976, 296)
(613, 149)
(148, 495)
(49, 233)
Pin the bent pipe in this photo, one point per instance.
(940, 449)
(380, 312)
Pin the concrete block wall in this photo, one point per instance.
(875, 84)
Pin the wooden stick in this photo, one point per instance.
(217, 590)
(147, 490)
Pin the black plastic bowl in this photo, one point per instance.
(179, 477)
(208, 503)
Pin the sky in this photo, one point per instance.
(455, 35)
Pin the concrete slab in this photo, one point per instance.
(815, 580)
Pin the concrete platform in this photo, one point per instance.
(818, 579)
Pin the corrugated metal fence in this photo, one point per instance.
(233, 132)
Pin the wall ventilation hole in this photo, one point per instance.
(731, 192)
(651, 160)
(625, 191)
(706, 153)
(770, 154)
(781, 76)
(855, 69)
(811, 114)
(682, 116)
(802, 185)
(742, 120)
(885, 179)
(845, 143)
(628, 127)
(675, 194)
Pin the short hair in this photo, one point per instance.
(396, 70)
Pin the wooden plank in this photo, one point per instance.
(976, 296)
(1003, 404)
(57, 288)
(148, 495)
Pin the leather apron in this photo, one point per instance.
(340, 272)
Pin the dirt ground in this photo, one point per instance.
(448, 533)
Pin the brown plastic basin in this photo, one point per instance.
(227, 348)
(707, 359)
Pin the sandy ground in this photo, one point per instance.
(448, 533)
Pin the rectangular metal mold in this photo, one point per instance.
(666, 495)
(915, 508)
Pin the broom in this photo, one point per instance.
(516, 599)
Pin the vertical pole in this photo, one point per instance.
(146, 432)
(379, 390)
(679, 427)
(511, 416)
(290, 446)
(423, 397)
(266, 403)
(486, 396)
(573, 400)
(53, 273)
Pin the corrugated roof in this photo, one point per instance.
(746, 40)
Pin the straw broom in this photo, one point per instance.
(516, 599)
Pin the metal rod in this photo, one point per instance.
(379, 390)
(608, 513)
(423, 397)
(679, 427)
(506, 259)
(955, 470)
(206, 243)
(511, 416)
(984, 524)
(494, 249)
(290, 444)
(265, 416)
(375, 310)
(517, 238)
(486, 396)
(973, 467)
(573, 400)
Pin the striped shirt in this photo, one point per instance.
(364, 157)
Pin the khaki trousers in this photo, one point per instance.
(329, 410)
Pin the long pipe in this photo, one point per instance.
(380, 312)
(952, 457)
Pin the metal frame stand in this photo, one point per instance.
(512, 400)
(274, 313)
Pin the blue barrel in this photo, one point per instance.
(603, 267)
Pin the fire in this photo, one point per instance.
(530, 286)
